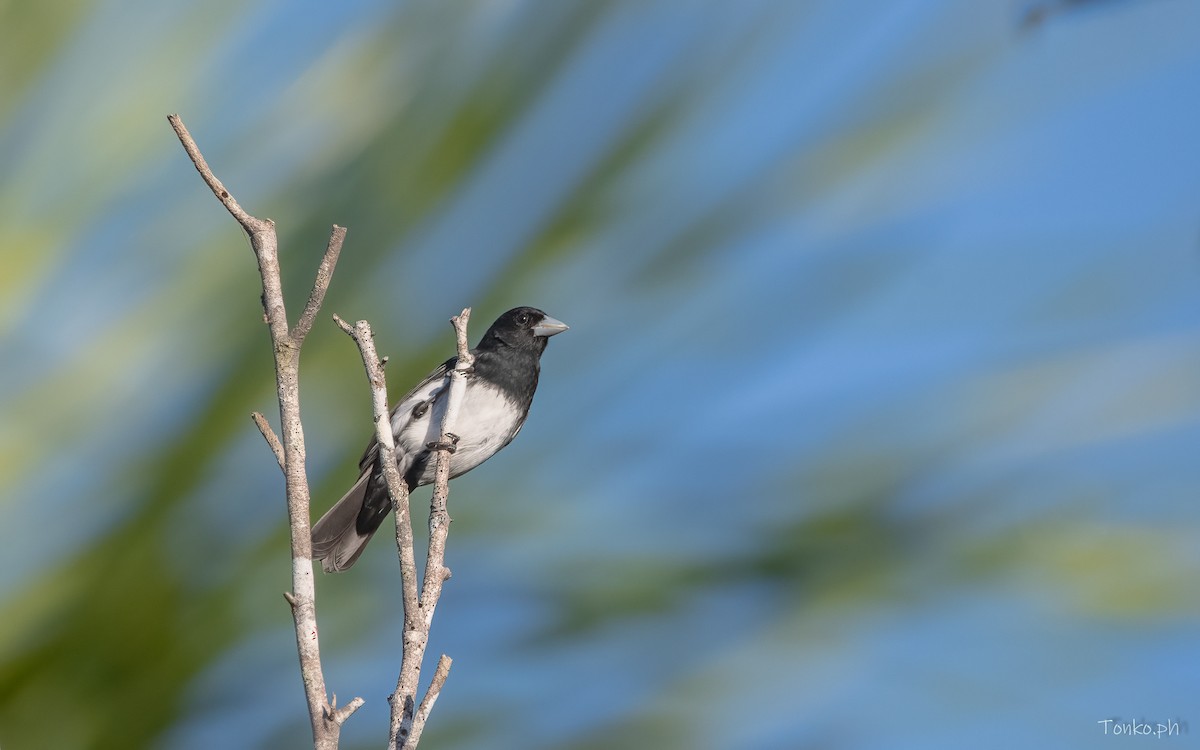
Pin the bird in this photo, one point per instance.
(495, 402)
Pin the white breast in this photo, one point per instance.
(487, 421)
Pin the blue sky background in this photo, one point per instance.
(876, 425)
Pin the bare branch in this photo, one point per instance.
(406, 728)
(466, 360)
(286, 349)
(439, 516)
(397, 489)
(320, 284)
(341, 714)
(408, 721)
(404, 732)
(250, 223)
(431, 696)
(269, 435)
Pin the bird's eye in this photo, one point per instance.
(523, 319)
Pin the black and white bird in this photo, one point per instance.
(495, 402)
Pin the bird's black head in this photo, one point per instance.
(526, 328)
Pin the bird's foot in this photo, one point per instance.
(450, 445)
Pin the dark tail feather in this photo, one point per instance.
(335, 538)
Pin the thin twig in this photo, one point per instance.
(436, 572)
(406, 728)
(397, 489)
(341, 714)
(193, 151)
(431, 695)
(466, 360)
(286, 348)
(324, 275)
(417, 611)
(269, 435)
(266, 251)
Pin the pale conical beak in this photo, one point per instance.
(548, 327)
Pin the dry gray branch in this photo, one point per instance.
(408, 723)
(431, 695)
(408, 720)
(397, 489)
(320, 284)
(326, 720)
(269, 435)
(341, 714)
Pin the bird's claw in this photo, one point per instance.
(450, 445)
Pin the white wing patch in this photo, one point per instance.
(409, 429)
